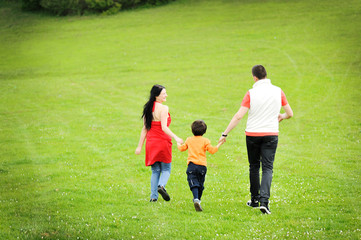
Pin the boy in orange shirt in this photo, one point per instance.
(197, 162)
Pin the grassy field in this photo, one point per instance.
(72, 91)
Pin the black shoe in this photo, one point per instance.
(153, 200)
(264, 208)
(164, 193)
(253, 203)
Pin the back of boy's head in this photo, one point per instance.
(199, 127)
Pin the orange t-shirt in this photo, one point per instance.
(197, 147)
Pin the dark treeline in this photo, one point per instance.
(79, 7)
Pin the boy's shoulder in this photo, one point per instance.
(205, 139)
(198, 138)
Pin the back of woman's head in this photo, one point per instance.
(148, 107)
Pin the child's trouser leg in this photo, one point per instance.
(200, 192)
(196, 176)
(195, 192)
(201, 179)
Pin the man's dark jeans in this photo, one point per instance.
(261, 150)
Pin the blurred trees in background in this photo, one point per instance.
(66, 7)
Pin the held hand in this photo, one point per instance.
(138, 150)
(179, 140)
(222, 140)
(220, 143)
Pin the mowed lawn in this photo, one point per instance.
(72, 91)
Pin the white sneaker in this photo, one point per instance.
(197, 205)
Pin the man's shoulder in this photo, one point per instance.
(264, 87)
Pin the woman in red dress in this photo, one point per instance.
(158, 136)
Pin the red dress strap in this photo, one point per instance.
(154, 105)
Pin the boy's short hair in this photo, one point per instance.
(259, 71)
(199, 127)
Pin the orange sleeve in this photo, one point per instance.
(283, 98)
(246, 102)
(210, 148)
(183, 147)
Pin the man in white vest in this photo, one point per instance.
(264, 102)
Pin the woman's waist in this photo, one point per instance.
(159, 123)
(156, 132)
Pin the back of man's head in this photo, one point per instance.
(259, 71)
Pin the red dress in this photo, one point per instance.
(158, 145)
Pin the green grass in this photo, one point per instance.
(72, 91)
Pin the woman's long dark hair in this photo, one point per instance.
(148, 107)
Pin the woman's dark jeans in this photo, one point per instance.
(261, 150)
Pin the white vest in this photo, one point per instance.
(265, 105)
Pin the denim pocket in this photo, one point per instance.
(271, 141)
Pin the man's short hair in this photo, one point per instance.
(199, 127)
(259, 71)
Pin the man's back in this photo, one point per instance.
(265, 105)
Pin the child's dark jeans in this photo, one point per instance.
(196, 175)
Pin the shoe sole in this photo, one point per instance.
(198, 207)
(264, 210)
(164, 194)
